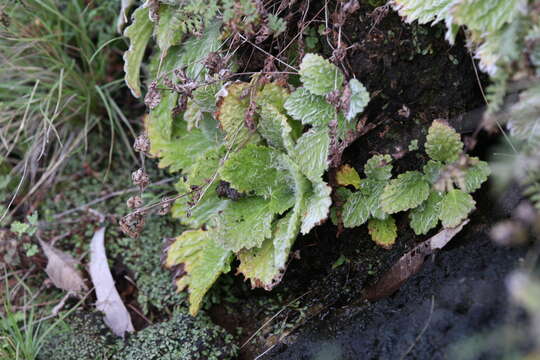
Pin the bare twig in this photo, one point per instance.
(109, 196)
(423, 330)
(272, 318)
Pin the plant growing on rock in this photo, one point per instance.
(441, 192)
(505, 38)
(252, 154)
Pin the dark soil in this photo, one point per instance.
(465, 282)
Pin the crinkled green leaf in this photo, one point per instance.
(476, 175)
(182, 151)
(356, 210)
(259, 264)
(159, 123)
(432, 170)
(405, 192)
(319, 75)
(202, 102)
(207, 208)
(276, 24)
(255, 169)
(309, 108)
(196, 209)
(138, 33)
(363, 204)
(359, 99)
(340, 197)
(486, 15)
(196, 49)
(311, 153)
(347, 175)
(245, 223)
(373, 190)
(275, 128)
(231, 111)
(168, 29)
(455, 207)
(383, 232)
(524, 119)
(426, 216)
(265, 266)
(318, 205)
(424, 11)
(273, 94)
(500, 47)
(379, 167)
(205, 166)
(443, 143)
(166, 133)
(197, 261)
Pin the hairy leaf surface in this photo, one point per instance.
(487, 15)
(359, 99)
(231, 115)
(183, 151)
(455, 207)
(426, 216)
(139, 34)
(405, 192)
(347, 175)
(476, 175)
(383, 232)
(356, 210)
(443, 143)
(197, 48)
(253, 169)
(197, 261)
(275, 128)
(309, 108)
(273, 94)
(424, 11)
(320, 76)
(318, 206)
(168, 30)
(379, 167)
(265, 266)
(311, 153)
(432, 170)
(245, 223)
(207, 208)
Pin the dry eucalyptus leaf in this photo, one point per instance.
(61, 269)
(108, 300)
(410, 263)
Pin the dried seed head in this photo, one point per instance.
(224, 190)
(134, 202)
(132, 224)
(249, 117)
(181, 75)
(142, 143)
(214, 62)
(345, 100)
(164, 208)
(334, 98)
(153, 96)
(140, 178)
(182, 104)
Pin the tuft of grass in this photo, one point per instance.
(61, 72)
(22, 334)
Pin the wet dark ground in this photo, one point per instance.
(458, 293)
